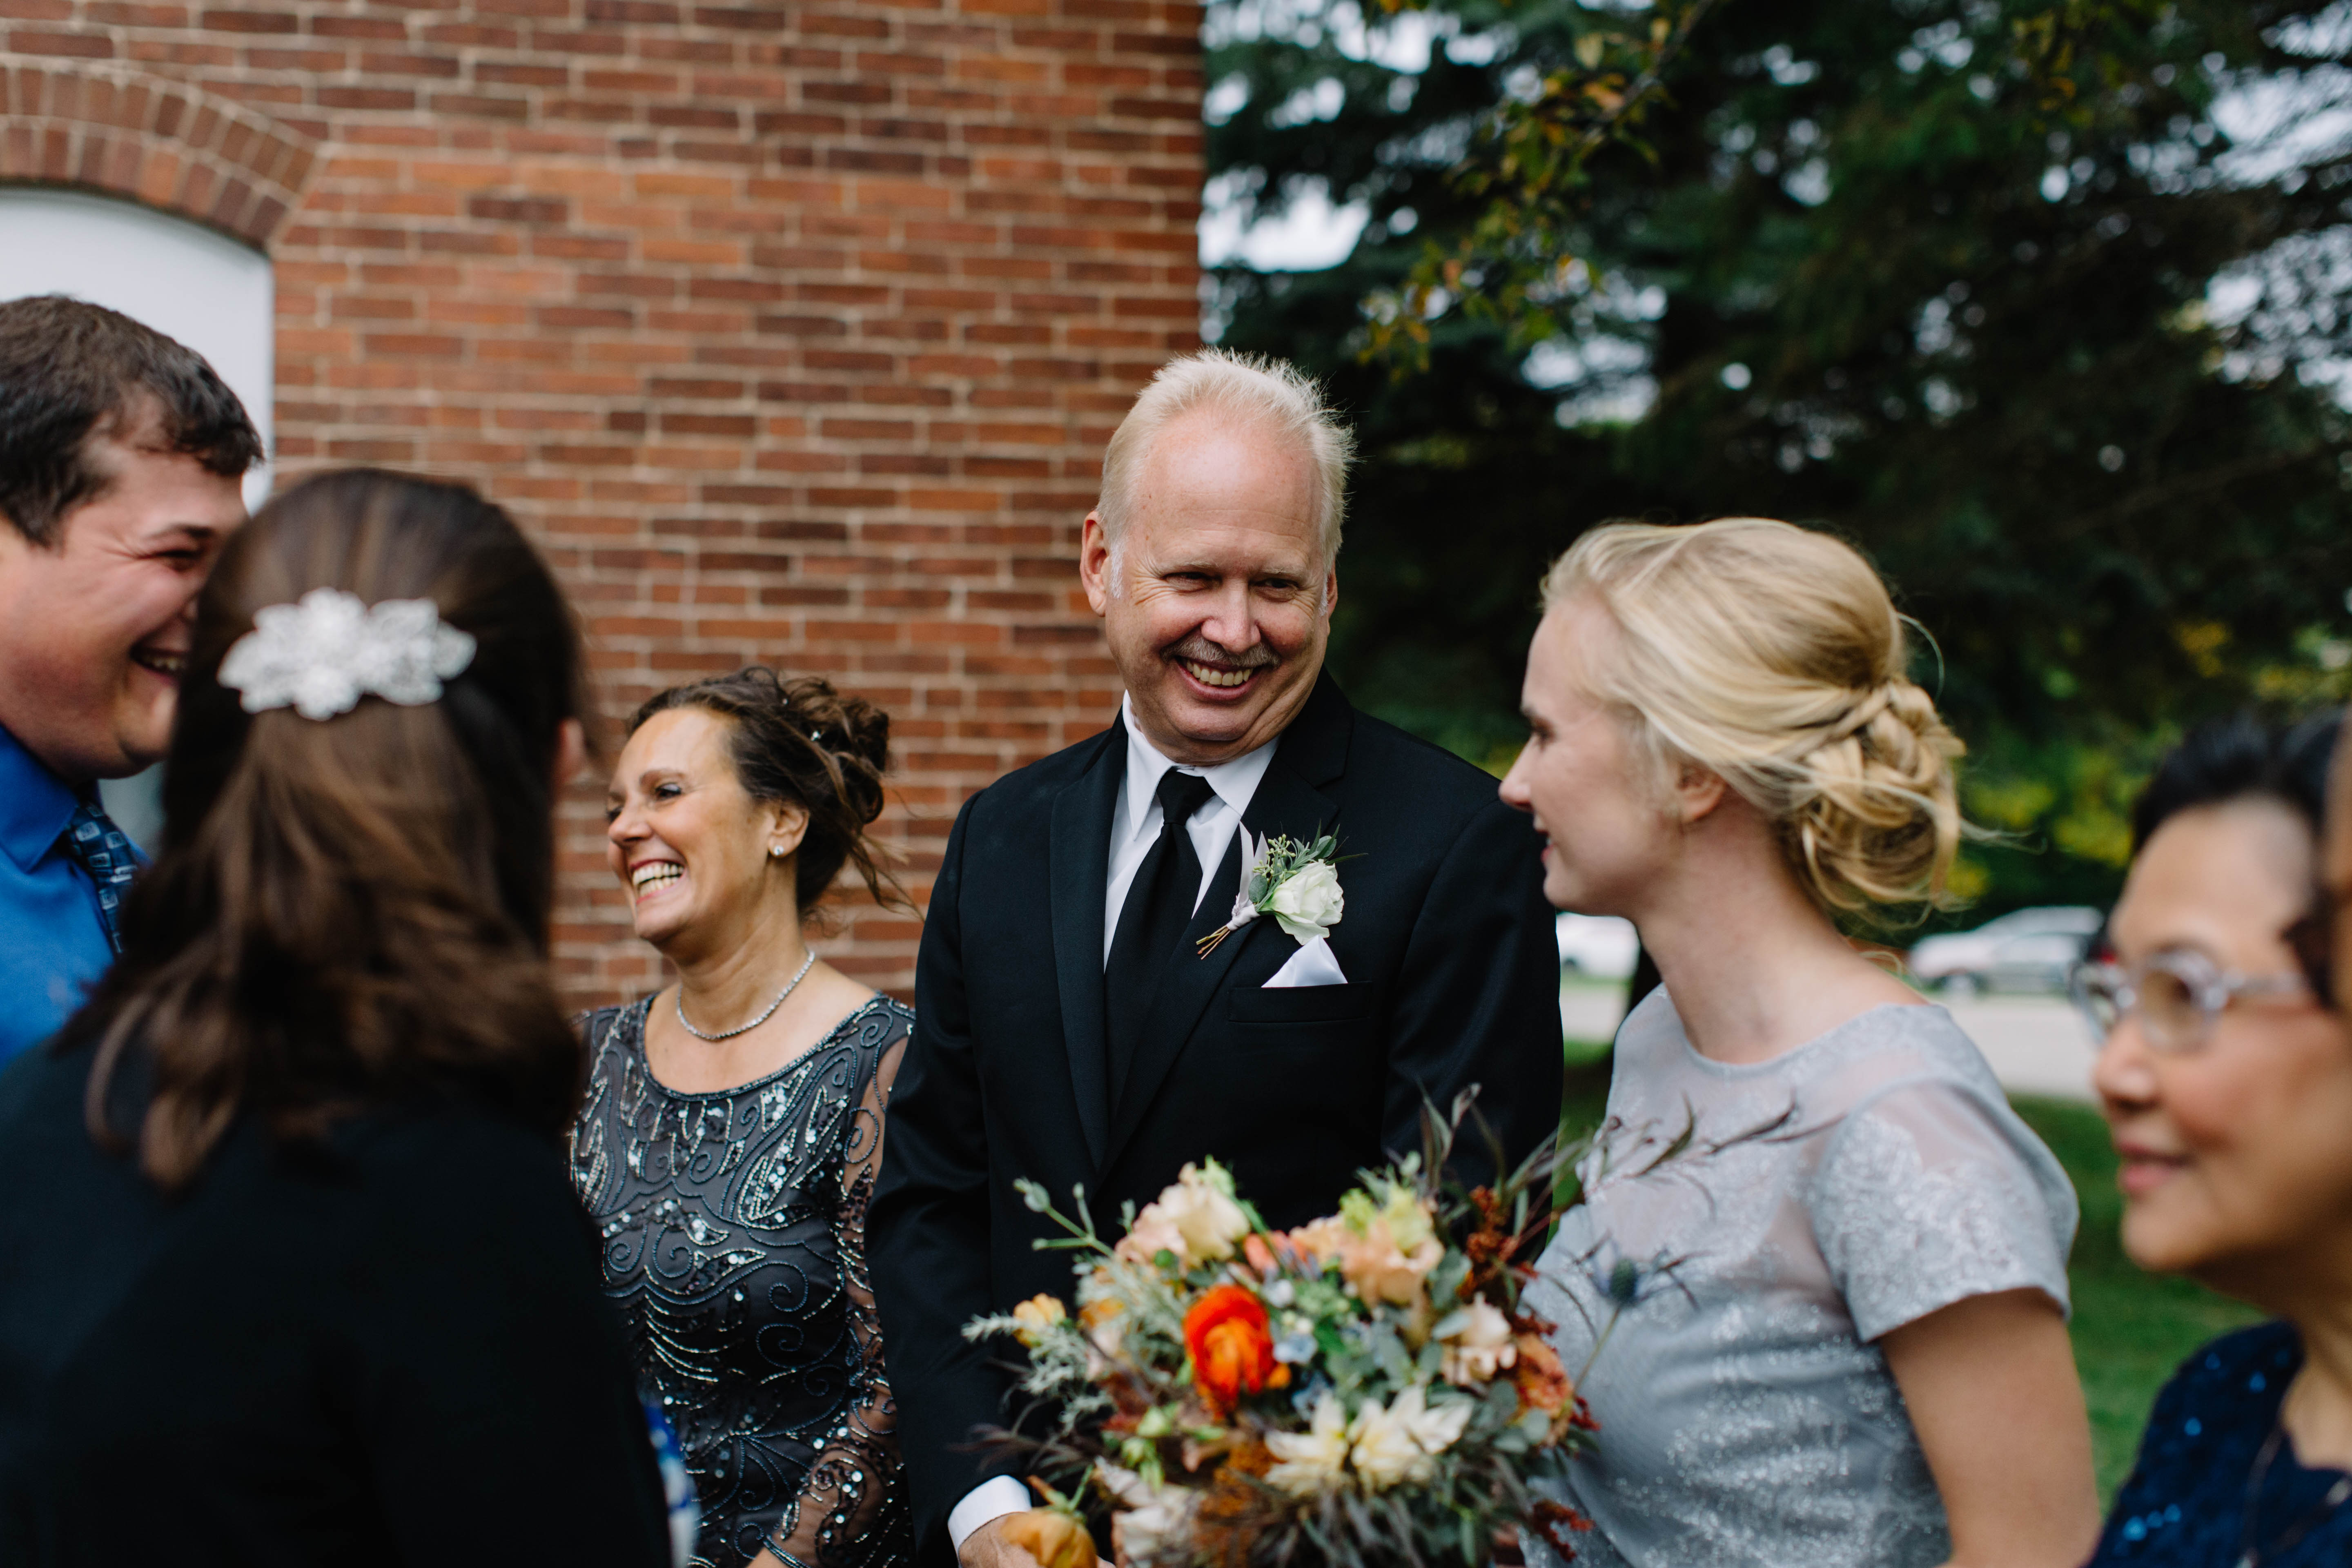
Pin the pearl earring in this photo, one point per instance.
(775, 852)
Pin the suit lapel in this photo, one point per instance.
(1285, 803)
(1077, 872)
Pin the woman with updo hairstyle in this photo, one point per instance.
(293, 1271)
(1828, 1261)
(732, 1127)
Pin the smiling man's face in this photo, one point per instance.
(1217, 602)
(94, 628)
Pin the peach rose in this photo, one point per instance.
(1037, 1314)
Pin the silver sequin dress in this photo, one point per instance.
(733, 1228)
(1843, 1189)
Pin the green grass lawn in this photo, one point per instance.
(2131, 1328)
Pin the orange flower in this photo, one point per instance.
(1054, 1537)
(1543, 1383)
(1232, 1349)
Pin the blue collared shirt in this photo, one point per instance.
(53, 946)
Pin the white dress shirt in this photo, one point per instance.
(1134, 829)
(1134, 817)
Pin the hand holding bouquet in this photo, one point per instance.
(1365, 1389)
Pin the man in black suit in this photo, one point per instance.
(1066, 1028)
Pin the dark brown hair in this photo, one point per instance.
(2244, 756)
(69, 371)
(352, 912)
(798, 741)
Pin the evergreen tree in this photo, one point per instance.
(1940, 275)
(1932, 274)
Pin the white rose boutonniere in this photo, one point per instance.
(1297, 883)
(1310, 903)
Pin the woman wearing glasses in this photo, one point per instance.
(2227, 1084)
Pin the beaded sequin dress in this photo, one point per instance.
(733, 1229)
(2201, 1465)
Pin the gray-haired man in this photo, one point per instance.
(1069, 1028)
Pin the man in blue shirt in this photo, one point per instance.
(120, 457)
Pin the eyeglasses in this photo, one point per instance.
(2179, 995)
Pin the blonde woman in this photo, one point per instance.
(1835, 1321)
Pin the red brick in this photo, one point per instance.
(792, 332)
(250, 22)
(91, 46)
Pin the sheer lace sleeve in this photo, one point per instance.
(858, 1476)
(1928, 1194)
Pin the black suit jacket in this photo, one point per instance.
(1452, 979)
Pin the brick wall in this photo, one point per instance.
(795, 333)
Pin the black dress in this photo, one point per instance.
(733, 1226)
(2185, 1504)
(386, 1346)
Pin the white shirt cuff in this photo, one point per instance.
(992, 1498)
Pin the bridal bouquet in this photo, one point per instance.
(1363, 1390)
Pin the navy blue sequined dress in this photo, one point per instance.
(2184, 1505)
(733, 1226)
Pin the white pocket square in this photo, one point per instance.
(1312, 964)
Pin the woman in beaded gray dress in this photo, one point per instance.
(732, 1125)
(1815, 1295)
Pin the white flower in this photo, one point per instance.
(1150, 1520)
(1314, 1460)
(1204, 1210)
(1197, 1219)
(1477, 1340)
(321, 656)
(1384, 1452)
(1435, 1428)
(1394, 1445)
(1309, 903)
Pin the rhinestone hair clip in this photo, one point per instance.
(321, 656)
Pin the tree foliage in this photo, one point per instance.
(2039, 303)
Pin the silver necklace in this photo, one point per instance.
(729, 1034)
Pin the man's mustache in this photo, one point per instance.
(1200, 650)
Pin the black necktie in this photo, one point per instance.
(1151, 922)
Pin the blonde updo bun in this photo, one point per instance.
(1772, 657)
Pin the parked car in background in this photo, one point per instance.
(2025, 950)
(1599, 947)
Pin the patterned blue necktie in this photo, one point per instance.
(102, 849)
